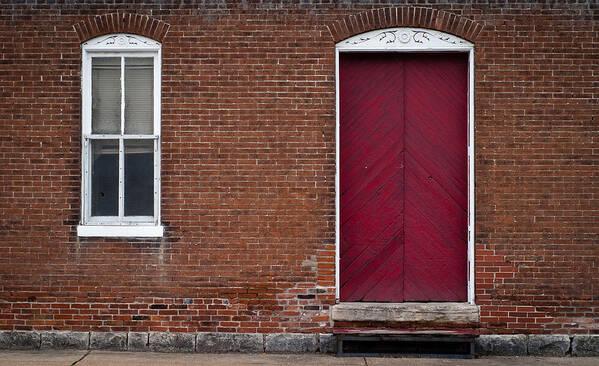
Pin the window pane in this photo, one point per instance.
(105, 177)
(139, 177)
(106, 95)
(139, 91)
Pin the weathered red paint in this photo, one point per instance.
(371, 178)
(403, 177)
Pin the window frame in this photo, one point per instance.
(119, 45)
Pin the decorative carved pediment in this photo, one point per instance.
(121, 41)
(403, 37)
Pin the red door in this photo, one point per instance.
(403, 199)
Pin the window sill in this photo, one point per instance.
(115, 231)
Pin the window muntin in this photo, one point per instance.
(121, 131)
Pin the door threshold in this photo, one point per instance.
(430, 313)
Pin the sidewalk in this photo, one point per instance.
(105, 358)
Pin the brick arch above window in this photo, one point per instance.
(139, 24)
(405, 17)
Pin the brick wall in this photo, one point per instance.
(248, 166)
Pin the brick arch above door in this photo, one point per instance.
(405, 17)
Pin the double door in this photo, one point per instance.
(403, 176)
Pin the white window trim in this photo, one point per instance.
(406, 39)
(119, 45)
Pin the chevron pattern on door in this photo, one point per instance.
(403, 183)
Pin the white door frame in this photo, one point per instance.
(406, 39)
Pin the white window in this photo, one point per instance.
(121, 137)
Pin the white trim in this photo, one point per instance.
(124, 137)
(121, 196)
(112, 231)
(337, 180)
(119, 45)
(471, 193)
(122, 42)
(405, 39)
(157, 131)
(120, 221)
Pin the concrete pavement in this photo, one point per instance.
(106, 358)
